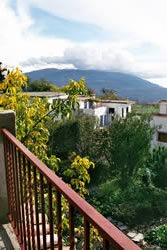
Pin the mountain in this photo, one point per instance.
(126, 85)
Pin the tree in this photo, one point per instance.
(34, 115)
(156, 165)
(40, 86)
(126, 145)
(109, 94)
(76, 135)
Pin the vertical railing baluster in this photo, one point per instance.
(10, 180)
(22, 198)
(18, 196)
(50, 201)
(106, 244)
(6, 153)
(12, 187)
(14, 161)
(31, 205)
(43, 211)
(59, 219)
(71, 225)
(26, 202)
(86, 234)
(36, 209)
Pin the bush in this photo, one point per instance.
(157, 164)
(136, 205)
(158, 236)
(75, 135)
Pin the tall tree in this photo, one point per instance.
(109, 94)
(126, 145)
(40, 86)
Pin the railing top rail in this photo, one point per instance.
(107, 229)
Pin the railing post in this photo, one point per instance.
(7, 120)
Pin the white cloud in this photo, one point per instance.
(18, 42)
(142, 19)
(91, 56)
(106, 56)
(132, 23)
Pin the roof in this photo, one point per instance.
(118, 101)
(160, 114)
(45, 94)
(163, 101)
(86, 98)
(90, 98)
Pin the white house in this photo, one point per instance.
(104, 110)
(160, 122)
(51, 96)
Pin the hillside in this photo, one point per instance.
(126, 85)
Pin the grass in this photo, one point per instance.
(145, 108)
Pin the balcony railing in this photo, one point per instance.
(35, 196)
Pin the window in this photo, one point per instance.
(101, 121)
(111, 111)
(123, 112)
(105, 120)
(162, 137)
(127, 110)
(85, 105)
(91, 105)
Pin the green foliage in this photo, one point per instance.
(120, 150)
(34, 115)
(31, 118)
(78, 174)
(40, 86)
(76, 135)
(125, 146)
(76, 88)
(147, 109)
(135, 205)
(158, 236)
(157, 164)
(109, 94)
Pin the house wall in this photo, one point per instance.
(51, 99)
(160, 122)
(99, 109)
(163, 108)
(118, 108)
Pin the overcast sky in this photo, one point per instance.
(115, 35)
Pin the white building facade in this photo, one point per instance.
(160, 122)
(104, 110)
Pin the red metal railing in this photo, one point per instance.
(35, 196)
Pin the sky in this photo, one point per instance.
(127, 36)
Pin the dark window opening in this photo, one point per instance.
(111, 111)
(105, 120)
(162, 137)
(91, 105)
(85, 105)
(122, 112)
(101, 121)
(127, 110)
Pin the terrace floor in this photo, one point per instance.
(8, 239)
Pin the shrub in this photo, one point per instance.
(136, 205)
(158, 236)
